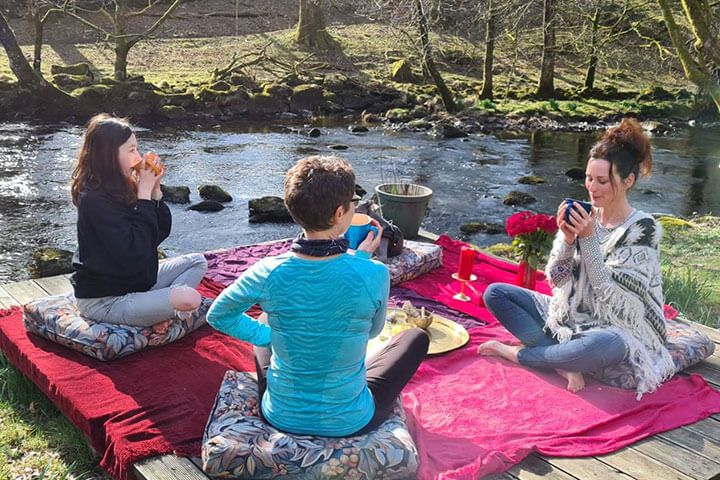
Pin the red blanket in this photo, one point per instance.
(150, 403)
(474, 415)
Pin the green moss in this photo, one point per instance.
(670, 223)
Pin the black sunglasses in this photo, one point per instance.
(356, 199)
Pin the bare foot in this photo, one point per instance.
(493, 348)
(576, 382)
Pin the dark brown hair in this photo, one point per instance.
(315, 187)
(98, 166)
(627, 148)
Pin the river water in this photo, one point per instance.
(469, 178)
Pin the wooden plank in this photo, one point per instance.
(640, 466)
(424, 235)
(710, 374)
(56, 285)
(710, 332)
(690, 463)
(6, 301)
(694, 442)
(708, 428)
(588, 468)
(24, 292)
(534, 467)
(167, 467)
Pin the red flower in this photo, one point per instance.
(533, 234)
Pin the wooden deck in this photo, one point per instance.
(686, 453)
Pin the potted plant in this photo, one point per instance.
(405, 204)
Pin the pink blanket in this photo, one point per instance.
(474, 415)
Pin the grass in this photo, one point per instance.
(366, 52)
(36, 440)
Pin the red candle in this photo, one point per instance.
(467, 256)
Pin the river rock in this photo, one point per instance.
(268, 209)
(360, 190)
(397, 115)
(518, 198)
(175, 194)
(314, 132)
(575, 173)
(338, 146)
(357, 129)
(82, 69)
(213, 192)
(172, 112)
(419, 124)
(71, 82)
(207, 206)
(484, 227)
(221, 86)
(307, 97)
(278, 90)
(445, 130)
(401, 72)
(263, 104)
(370, 117)
(531, 180)
(48, 262)
(655, 127)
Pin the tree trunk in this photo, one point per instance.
(39, 27)
(592, 64)
(429, 63)
(122, 47)
(311, 31)
(546, 86)
(487, 89)
(28, 79)
(696, 72)
(707, 39)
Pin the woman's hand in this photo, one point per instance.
(157, 192)
(372, 241)
(565, 227)
(583, 223)
(147, 181)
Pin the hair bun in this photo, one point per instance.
(630, 136)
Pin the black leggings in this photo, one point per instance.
(388, 371)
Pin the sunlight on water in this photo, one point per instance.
(469, 178)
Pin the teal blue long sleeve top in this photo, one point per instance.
(321, 314)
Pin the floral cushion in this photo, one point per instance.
(238, 443)
(417, 259)
(58, 320)
(686, 345)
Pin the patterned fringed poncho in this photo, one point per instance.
(612, 280)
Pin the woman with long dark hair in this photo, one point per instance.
(121, 221)
(607, 303)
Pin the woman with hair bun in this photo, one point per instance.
(607, 303)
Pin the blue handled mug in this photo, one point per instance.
(359, 229)
(569, 202)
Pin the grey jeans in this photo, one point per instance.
(148, 308)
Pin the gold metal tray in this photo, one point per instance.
(445, 335)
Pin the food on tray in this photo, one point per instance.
(419, 318)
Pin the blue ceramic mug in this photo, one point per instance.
(358, 230)
(569, 202)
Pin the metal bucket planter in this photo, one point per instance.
(404, 204)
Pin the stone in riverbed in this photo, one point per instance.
(531, 180)
(357, 129)
(338, 146)
(484, 227)
(268, 209)
(314, 132)
(175, 194)
(207, 206)
(213, 192)
(576, 173)
(518, 198)
(48, 262)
